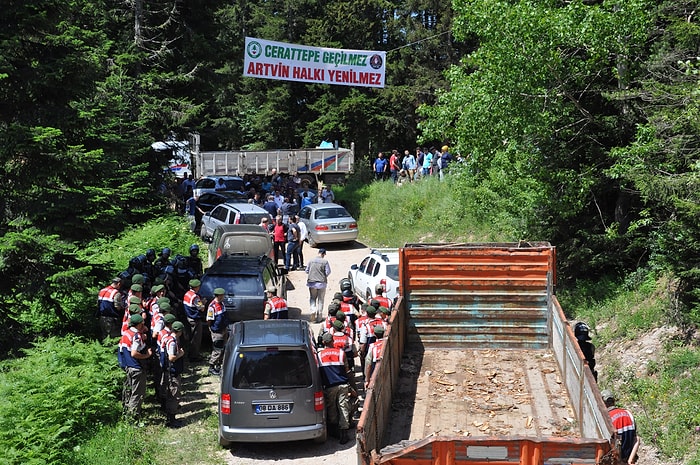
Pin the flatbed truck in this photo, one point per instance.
(480, 366)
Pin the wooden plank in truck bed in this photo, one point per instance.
(480, 392)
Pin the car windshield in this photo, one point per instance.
(329, 213)
(271, 368)
(253, 218)
(234, 284)
(234, 184)
(392, 272)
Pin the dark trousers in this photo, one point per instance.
(279, 251)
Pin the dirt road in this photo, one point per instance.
(341, 257)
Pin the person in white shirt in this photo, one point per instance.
(303, 234)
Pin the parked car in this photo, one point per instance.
(378, 267)
(231, 213)
(245, 280)
(207, 201)
(208, 183)
(240, 239)
(328, 222)
(271, 388)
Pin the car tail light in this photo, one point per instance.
(237, 220)
(383, 283)
(318, 401)
(226, 404)
(321, 227)
(353, 226)
(218, 252)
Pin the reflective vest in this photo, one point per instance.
(107, 300)
(157, 323)
(375, 354)
(384, 301)
(367, 331)
(168, 344)
(216, 313)
(192, 303)
(376, 350)
(129, 338)
(623, 422)
(332, 364)
(342, 341)
(278, 308)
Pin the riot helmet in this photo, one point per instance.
(581, 331)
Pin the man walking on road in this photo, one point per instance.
(318, 270)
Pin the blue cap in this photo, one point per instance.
(322, 251)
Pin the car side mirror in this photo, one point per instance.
(354, 267)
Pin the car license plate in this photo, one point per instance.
(340, 226)
(273, 408)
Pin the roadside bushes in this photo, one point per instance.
(54, 397)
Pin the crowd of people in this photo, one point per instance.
(158, 321)
(410, 167)
(350, 330)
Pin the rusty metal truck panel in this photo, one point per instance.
(481, 366)
(473, 296)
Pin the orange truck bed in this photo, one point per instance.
(480, 366)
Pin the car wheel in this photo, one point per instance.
(368, 296)
(322, 438)
(312, 242)
(223, 442)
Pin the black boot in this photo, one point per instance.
(344, 436)
(173, 422)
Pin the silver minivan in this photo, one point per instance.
(271, 388)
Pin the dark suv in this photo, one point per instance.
(245, 280)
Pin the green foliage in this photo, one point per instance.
(44, 287)
(630, 307)
(54, 397)
(169, 230)
(427, 210)
(538, 116)
(661, 163)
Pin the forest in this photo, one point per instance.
(579, 123)
(580, 118)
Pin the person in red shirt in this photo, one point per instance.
(394, 165)
(279, 237)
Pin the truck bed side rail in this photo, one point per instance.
(292, 161)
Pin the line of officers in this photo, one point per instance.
(151, 345)
(151, 330)
(350, 330)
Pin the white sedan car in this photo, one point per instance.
(378, 267)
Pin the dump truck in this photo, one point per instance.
(480, 366)
(313, 165)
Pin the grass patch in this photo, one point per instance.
(624, 309)
(424, 211)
